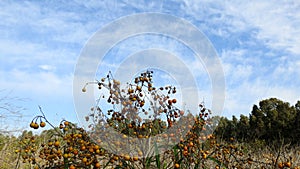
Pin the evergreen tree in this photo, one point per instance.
(243, 127)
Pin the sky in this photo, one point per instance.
(41, 42)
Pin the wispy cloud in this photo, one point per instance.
(47, 67)
(240, 99)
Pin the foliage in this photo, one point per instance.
(272, 121)
(236, 143)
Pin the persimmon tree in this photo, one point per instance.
(138, 126)
(70, 146)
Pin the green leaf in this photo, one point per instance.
(165, 166)
(157, 156)
(175, 149)
(148, 161)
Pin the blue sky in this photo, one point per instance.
(41, 41)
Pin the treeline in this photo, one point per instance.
(272, 121)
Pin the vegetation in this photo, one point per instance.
(272, 121)
(141, 127)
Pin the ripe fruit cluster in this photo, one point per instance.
(27, 149)
(132, 100)
(36, 125)
(129, 105)
(68, 147)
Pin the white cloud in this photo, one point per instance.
(38, 84)
(240, 99)
(251, 78)
(275, 24)
(47, 67)
(30, 57)
(278, 23)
